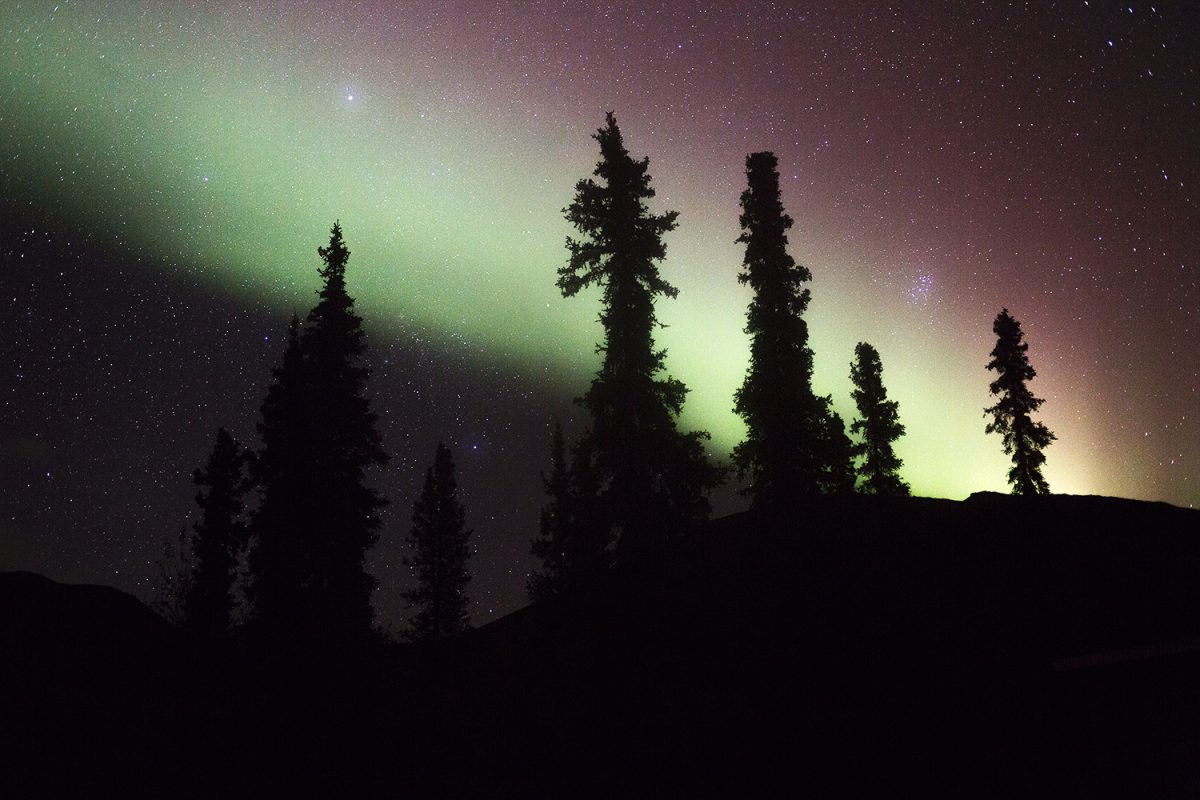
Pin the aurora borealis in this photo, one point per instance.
(940, 163)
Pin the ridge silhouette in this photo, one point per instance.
(901, 645)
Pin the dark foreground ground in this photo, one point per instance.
(999, 647)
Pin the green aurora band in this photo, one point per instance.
(240, 139)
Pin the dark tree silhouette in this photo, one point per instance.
(279, 590)
(217, 540)
(1024, 439)
(173, 578)
(345, 445)
(785, 450)
(571, 545)
(554, 528)
(651, 474)
(837, 475)
(878, 424)
(440, 552)
(317, 517)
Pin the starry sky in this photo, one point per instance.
(168, 170)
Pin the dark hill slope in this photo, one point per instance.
(866, 645)
(862, 647)
(90, 681)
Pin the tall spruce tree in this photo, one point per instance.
(317, 516)
(346, 444)
(217, 541)
(651, 475)
(439, 554)
(279, 587)
(571, 545)
(1023, 438)
(786, 450)
(878, 424)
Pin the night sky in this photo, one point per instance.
(168, 170)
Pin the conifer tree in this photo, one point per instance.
(837, 476)
(279, 587)
(550, 545)
(651, 475)
(173, 578)
(439, 550)
(317, 516)
(217, 540)
(571, 545)
(1023, 438)
(878, 424)
(345, 444)
(785, 452)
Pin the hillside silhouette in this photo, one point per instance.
(998, 646)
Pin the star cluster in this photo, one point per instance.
(168, 172)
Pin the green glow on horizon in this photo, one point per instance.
(239, 144)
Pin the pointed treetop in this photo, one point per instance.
(610, 127)
(613, 153)
(443, 460)
(1008, 357)
(615, 222)
(335, 255)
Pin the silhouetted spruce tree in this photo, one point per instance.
(651, 474)
(1024, 439)
(439, 546)
(878, 424)
(786, 450)
(217, 540)
(317, 517)
(345, 445)
(173, 578)
(837, 452)
(571, 544)
(554, 528)
(280, 585)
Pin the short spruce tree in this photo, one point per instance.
(878, 425)
(217, 541)
(439, 553)
(1023, 438)
(572, 542)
